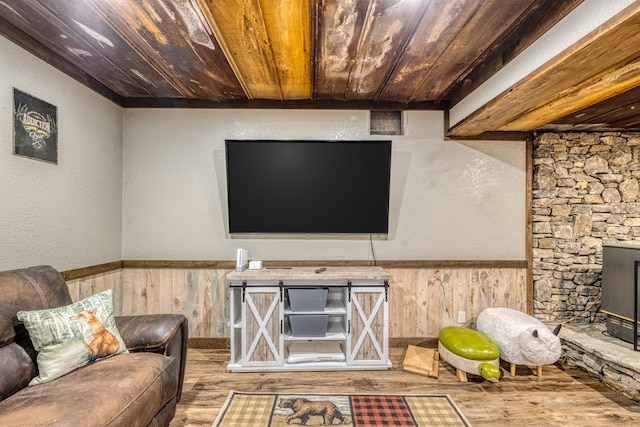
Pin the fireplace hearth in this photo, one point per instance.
(588, 346)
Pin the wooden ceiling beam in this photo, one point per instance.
(603, 86)
(601, 65)
(606, 111)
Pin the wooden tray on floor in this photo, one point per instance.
(421, 361)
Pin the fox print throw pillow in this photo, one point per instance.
(72, 336)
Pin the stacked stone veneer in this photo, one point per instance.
(586, 193)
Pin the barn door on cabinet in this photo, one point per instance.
(261, 312)
(368, 341)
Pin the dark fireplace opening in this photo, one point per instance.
(620, 276)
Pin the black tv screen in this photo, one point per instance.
(301, 187)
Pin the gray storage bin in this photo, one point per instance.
(308, 299)
(309, 325)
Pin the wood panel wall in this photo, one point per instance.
(422, 299)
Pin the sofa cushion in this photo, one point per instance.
(123, 390)
(73, 335)
(16, 369)
(32, 288)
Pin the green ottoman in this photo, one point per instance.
(470, 352)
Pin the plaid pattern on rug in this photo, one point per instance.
(248, 409)
(371, 410)
(375, 410)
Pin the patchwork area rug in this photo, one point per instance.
(271, 410)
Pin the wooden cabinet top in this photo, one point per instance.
(308, 273)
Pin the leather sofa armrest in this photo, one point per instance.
(159, 333)
(148, 332)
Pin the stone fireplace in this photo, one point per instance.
(586, 194)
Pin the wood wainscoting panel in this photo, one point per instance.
(198, 293)
(83, 287)
(422, 298)
(423, 301)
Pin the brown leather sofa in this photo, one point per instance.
(138, 388)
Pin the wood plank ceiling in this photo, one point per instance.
(378, 54)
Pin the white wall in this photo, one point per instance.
(449, 200)
(68, 215)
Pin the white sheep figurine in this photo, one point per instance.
(522, 339)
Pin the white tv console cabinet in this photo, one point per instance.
(357, 330)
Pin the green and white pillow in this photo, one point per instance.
(72, 336)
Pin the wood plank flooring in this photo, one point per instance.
(560, 398)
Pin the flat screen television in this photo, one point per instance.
(302, 188)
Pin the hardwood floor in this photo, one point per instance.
(560, 398)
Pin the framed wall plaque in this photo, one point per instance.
(35, 127)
